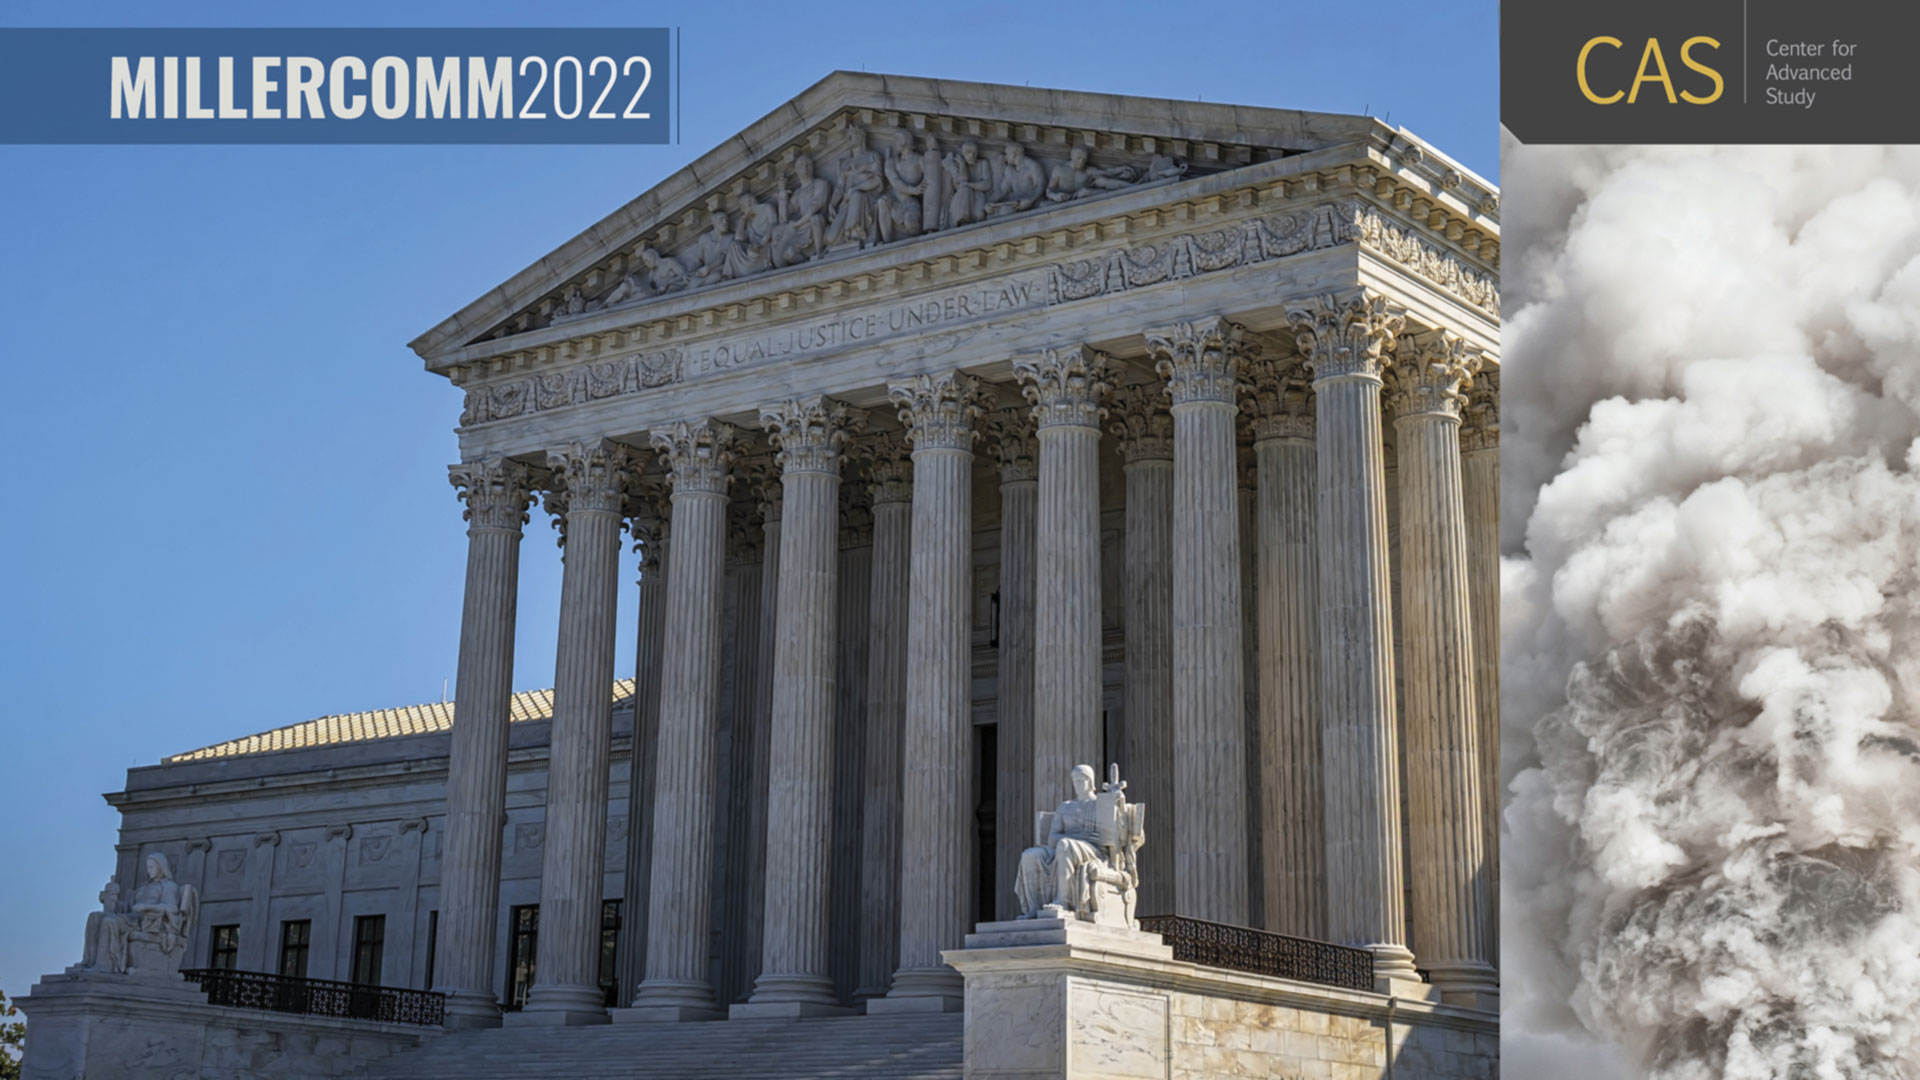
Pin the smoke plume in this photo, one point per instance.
(1711, 635)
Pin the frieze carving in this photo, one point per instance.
(1279, 400)
(698, 454)
(1201, 360)
(497, 493)
(1015, 444)
(1346, 336)
(1066, 386)
(890, 468)
(810, 434)
(939, 410)
(1430, 261)
(1428, 376)
(1480, 423)
(889, 185)
(1142, 423)
(1178, 257)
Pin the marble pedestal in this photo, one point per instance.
(787, 1010)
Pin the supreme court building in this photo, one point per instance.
(955, 435)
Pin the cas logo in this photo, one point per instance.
(1653, 69)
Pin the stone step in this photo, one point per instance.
(850, 1048)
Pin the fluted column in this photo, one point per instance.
(1347, 344)
(940, 412)
(650, 526)
(766, 492)
(678, 985)
(891, 474)
(1201, 361)
(497, 494)
(1011, 434)
(1480, 468)
(1144, 429)
(1066, 388)
(809, 435)
(1247, 471)
(1293, 839)
(1450, 903)
(593, 481)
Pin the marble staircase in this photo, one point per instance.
(898, 1047)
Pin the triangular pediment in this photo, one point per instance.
(861, 161)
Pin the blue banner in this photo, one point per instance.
(612, 85)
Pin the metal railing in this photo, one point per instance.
(1257, 952)
(319, 997)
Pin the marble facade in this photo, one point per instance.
(963, 433)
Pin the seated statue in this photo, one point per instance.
(1085, 860)
(150, 937)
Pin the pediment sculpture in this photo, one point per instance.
(1084, 863)
(148, 937)
(889, 185)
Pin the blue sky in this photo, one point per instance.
(230, 506)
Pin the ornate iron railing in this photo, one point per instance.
(1242, 948)
(319, 997)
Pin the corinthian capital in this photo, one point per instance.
(1200, 360)
(809, 434)
(890, 468)
(1066, 386)
(939, 410)
(598, 475)
(1428, 374)
(1142, 423)
(698, 453)
(856, 517)
(649, 520)
(1279, 399)
(497, 492)
(1341, 336)
(1480, 427)
(1011, 434)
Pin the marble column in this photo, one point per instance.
(678, 984)
(1011, 435)
(1066, 388)
(1347, 344)
(593, 481)
(766, 494)
(651, 525)
(497, 494)
(1144, 429)
(1448, 831)
(809, 435)
(740, 736)
(940, 412)
(1247, 470)
(1201, 362)
(847, 923)
(890, 471)
(1291, 811)
(1480, 468)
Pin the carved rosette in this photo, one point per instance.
(1142, 423)
(1015, 445)
(1350, 336)
(498, 493)
(698, 454)
(1279, 399)
(890, 468)
(939, 410)
(1480, 426)
(810, 434)
(1066, 386)
(1200, 360)
(1429, 376)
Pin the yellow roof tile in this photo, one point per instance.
(378, 724)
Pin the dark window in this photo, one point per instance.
(224, 952)
(296, 936)
(610, 951)
(433, 943)
(369, 942)
(525, 945)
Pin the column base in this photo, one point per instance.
(922, 990)
(559, 1005)
(666, 1014)
(1395, 975)
(790, 997)
(787, 1010)
(1469, 984)
(470, 1009)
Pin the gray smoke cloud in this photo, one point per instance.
(1711, 526)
